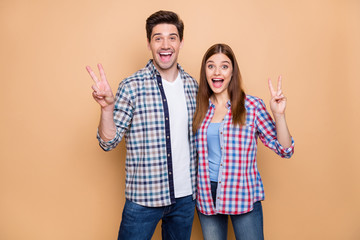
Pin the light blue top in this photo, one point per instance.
(214, 150)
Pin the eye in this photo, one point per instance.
(210, 66)
(172, 38)
(225, 66)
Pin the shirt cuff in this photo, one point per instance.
(108, 145)
(286, 152)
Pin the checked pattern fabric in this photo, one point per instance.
(239, 182)
(142, 116)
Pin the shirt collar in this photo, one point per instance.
(151, 67)
(228, 104)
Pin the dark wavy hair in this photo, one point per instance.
(164, 17)
(236, 92)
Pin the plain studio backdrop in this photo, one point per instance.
(55, 181)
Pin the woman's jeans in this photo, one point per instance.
(139, 222)
(248, 226)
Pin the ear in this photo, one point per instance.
(148, 44)
(181, 43)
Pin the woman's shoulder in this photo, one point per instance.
(251, 100)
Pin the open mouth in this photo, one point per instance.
(165, 56)
(217, 82)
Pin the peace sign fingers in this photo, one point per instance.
(274, 93)
(278, 100)
(102, 91)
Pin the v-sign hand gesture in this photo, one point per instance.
(278, 100)
(102, 91)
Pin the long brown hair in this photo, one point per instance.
(235, 90)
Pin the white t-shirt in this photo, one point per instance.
(179, 134)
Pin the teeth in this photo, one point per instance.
(217, 79)
(165, 54)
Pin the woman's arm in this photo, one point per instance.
(278, 106)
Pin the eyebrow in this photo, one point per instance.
(159, 34)
(211, 61)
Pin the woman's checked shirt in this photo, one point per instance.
(239, 182)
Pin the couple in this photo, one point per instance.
(186, 142)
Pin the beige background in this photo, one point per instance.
(56, 183)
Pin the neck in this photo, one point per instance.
(169, 74)
(220, 98)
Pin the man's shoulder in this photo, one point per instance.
(138, 77)
(188, 76)
(189, 79)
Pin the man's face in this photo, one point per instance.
(165, 45)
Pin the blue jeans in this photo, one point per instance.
(139, 222)
(248, 226)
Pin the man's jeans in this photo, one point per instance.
(248, 226)
(139, 222)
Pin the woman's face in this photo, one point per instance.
(218, 70)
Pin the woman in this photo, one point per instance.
(228, 123)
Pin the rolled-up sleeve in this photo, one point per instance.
(123, 113)
(267, 132)
(285, 152)
(108, 145)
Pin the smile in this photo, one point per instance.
(217, 82)
(165, 56)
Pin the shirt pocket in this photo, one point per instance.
(248, 130)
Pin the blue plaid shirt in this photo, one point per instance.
(141, 115)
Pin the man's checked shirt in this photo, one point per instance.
(239, 182)
(141, 114)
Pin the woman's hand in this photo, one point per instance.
(278, 100)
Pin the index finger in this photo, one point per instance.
(271, 88)
(92, 74)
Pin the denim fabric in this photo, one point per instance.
(247, 226)
(139, 222)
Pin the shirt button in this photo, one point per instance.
(164, 100)
(167, 136)
(220, 132)
(160, 84)
(169, 155)
(169, 173)
(167, 119)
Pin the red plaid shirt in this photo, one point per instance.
(239, 182)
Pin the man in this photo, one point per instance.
(153, 109)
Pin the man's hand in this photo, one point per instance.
(103, 95)
(102, 91)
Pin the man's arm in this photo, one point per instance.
(104, 96)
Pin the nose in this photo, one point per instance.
(165, 44)
(217, 71)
